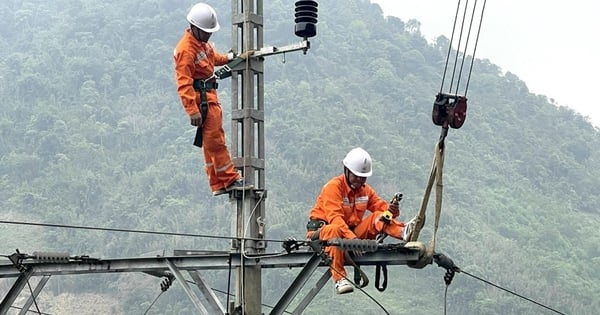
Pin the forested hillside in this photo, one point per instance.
(93, 134)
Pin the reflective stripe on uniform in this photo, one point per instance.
(224, 168)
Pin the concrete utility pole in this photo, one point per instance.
(248, 146)
(248, 142)
(248, 135)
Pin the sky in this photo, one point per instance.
(552, 46)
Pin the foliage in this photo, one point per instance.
(93, 134)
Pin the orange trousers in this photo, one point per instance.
(368, 228)
(218, 165)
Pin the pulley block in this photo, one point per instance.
(449, 110)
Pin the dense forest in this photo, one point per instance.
(93, 134)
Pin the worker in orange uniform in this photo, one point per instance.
(195, 61)
(340, 211)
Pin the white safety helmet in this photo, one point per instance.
(204, 17)
(358, 161)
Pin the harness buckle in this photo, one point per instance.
(206, 84)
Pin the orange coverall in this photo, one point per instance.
(343, 211)
(197, 60)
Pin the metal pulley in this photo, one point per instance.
(449, 110)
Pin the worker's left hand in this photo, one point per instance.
(394, 208)
(246, 54)
(196, 119)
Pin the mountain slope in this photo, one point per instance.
(93, 134)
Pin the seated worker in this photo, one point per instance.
(340, 212)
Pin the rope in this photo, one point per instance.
(475, 47)
(459, 44)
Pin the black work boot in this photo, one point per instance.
(239, 185)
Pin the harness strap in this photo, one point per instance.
(202, 86)
(205, 85)
(381, 268)
(360, 277)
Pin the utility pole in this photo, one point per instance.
(248, 136)
(248, 146)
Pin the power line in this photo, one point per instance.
(67, 226)
(229, 294)
(447, 263)
(20, 308)
(33, 297)
(152, 304)
(363, 291)
(512, 292)
(235, 238)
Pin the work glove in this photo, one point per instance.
(196, 119)
(246, 54)
(408, 229)
(230, 54)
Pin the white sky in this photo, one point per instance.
(553, 46)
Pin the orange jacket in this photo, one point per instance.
(195, 60)
(338, 204)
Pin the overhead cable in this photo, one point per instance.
(67, 226)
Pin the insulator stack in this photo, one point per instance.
(306, 18)
(51, 257)
(355, 244)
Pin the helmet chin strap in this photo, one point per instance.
(197, 33)
(347, 176)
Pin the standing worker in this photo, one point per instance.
(195, 61)
(339, 212)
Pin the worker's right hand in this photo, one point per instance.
(196, 119)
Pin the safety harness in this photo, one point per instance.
(204, 85)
